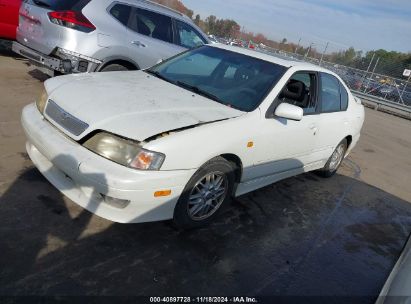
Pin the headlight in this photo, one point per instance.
(124, 152)
(42, 100)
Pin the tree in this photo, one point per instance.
(197, 20)
(210, 23)
(190, 13)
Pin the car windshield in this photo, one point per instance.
(236, 80)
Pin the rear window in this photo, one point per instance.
(60, 5)
(152, 24)
(330, 93)
(121, 12)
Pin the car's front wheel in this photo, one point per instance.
(205, 194)
(335, 160)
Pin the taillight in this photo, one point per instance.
(72, 19)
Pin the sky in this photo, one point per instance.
(363, 24)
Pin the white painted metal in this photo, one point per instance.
(137, 106)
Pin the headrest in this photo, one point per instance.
(294, 90)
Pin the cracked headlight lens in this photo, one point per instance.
(125, 152)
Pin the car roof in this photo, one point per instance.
(165, 10)
(277, 59)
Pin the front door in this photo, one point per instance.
(289, 145)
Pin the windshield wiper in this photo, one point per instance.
(158, 75)
(199, 91)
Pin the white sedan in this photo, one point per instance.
(180, 139)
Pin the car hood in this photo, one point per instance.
(134, 105)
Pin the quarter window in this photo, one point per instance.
(152, 24)
(330, 93)
(121, 12)
(344, 98)
(188, 36)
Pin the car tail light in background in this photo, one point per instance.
(72, 19)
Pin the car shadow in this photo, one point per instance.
(5, 50)
(303, 236)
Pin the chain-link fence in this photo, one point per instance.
(367, 81)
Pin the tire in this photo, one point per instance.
(199, 205)
(334, 163)
(114, 67)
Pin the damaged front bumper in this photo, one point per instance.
(105, 188)
(63, 61)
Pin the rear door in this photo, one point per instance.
(35, 29)
(334, 120)
(150, 37)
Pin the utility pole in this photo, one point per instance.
(308, 50)
(405, 86)
(298, 45)
(322, 55)
(372, 74)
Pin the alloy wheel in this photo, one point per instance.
(207, 196)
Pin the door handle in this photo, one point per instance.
(138, 43)
(314, 128)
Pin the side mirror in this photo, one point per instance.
(289, 111)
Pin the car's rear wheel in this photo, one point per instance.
(205, 194)
(114, 67)
(335, 160)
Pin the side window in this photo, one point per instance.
(121, 12)
(300, 91)
(344, 98)
(152, 24)
(330, 93)
(188, 37)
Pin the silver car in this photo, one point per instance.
(72, 36)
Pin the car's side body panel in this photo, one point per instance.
(280, 148)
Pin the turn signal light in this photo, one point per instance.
(162, 193)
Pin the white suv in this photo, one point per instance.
(180, 139)
(73, 36)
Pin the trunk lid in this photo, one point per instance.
(35, 29)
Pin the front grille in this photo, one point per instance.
(64, 119)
